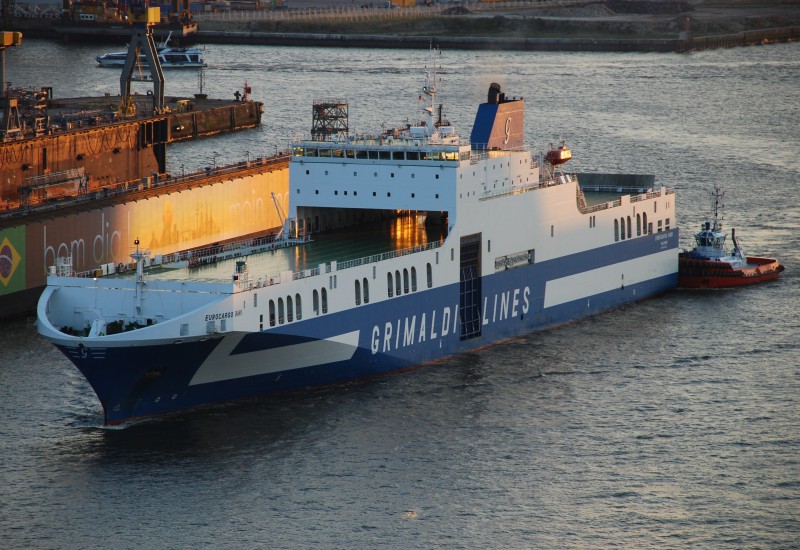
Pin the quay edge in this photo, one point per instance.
(748, 38)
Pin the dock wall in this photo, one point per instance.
(199, 210)
(190, 121)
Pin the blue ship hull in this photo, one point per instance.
(409, 330)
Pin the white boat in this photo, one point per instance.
(170, 58)
(519, 247)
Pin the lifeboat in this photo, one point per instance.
(559, 155)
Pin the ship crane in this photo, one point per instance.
(12, 126)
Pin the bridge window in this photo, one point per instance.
(638, 225)
(413, 279)
(298, 307)
(289, 309)
(324, 300)
(366, 291)
(314, 302)
(644, 223)
(629, 228)
(358, 292)
(429, 274)
(405, 281)
(616, 230)
(281, 317)
(390, 284)
(271, 313)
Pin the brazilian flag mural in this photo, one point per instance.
(12, 260)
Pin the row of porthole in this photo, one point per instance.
(623, 224)
(396, 285)
(292, 309)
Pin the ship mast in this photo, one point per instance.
(430, 88)
(138, 256)
(717, 195)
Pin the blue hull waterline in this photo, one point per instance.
(551, 257)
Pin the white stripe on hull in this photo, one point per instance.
(221, 365)
(604, 279)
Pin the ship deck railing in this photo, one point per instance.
(402, 139)
(387, 255)
(480, 152)
(328, 267)
(519, 189)
(201, 256)
(637, 194)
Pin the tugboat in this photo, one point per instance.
(710, 265)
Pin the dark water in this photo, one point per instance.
(672, 423)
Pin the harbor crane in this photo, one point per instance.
(142, 44)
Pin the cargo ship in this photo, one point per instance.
(711, 265)
(504, 243)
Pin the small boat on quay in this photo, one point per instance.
(485, 240)
(170, 58)
(711, 265)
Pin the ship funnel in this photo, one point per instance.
(499, 123)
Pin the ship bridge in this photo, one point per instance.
(343, 181)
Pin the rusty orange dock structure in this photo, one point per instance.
(39, 160)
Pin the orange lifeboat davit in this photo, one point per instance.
(560, 155)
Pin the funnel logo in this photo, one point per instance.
(9, 260)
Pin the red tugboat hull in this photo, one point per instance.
(697, 273)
